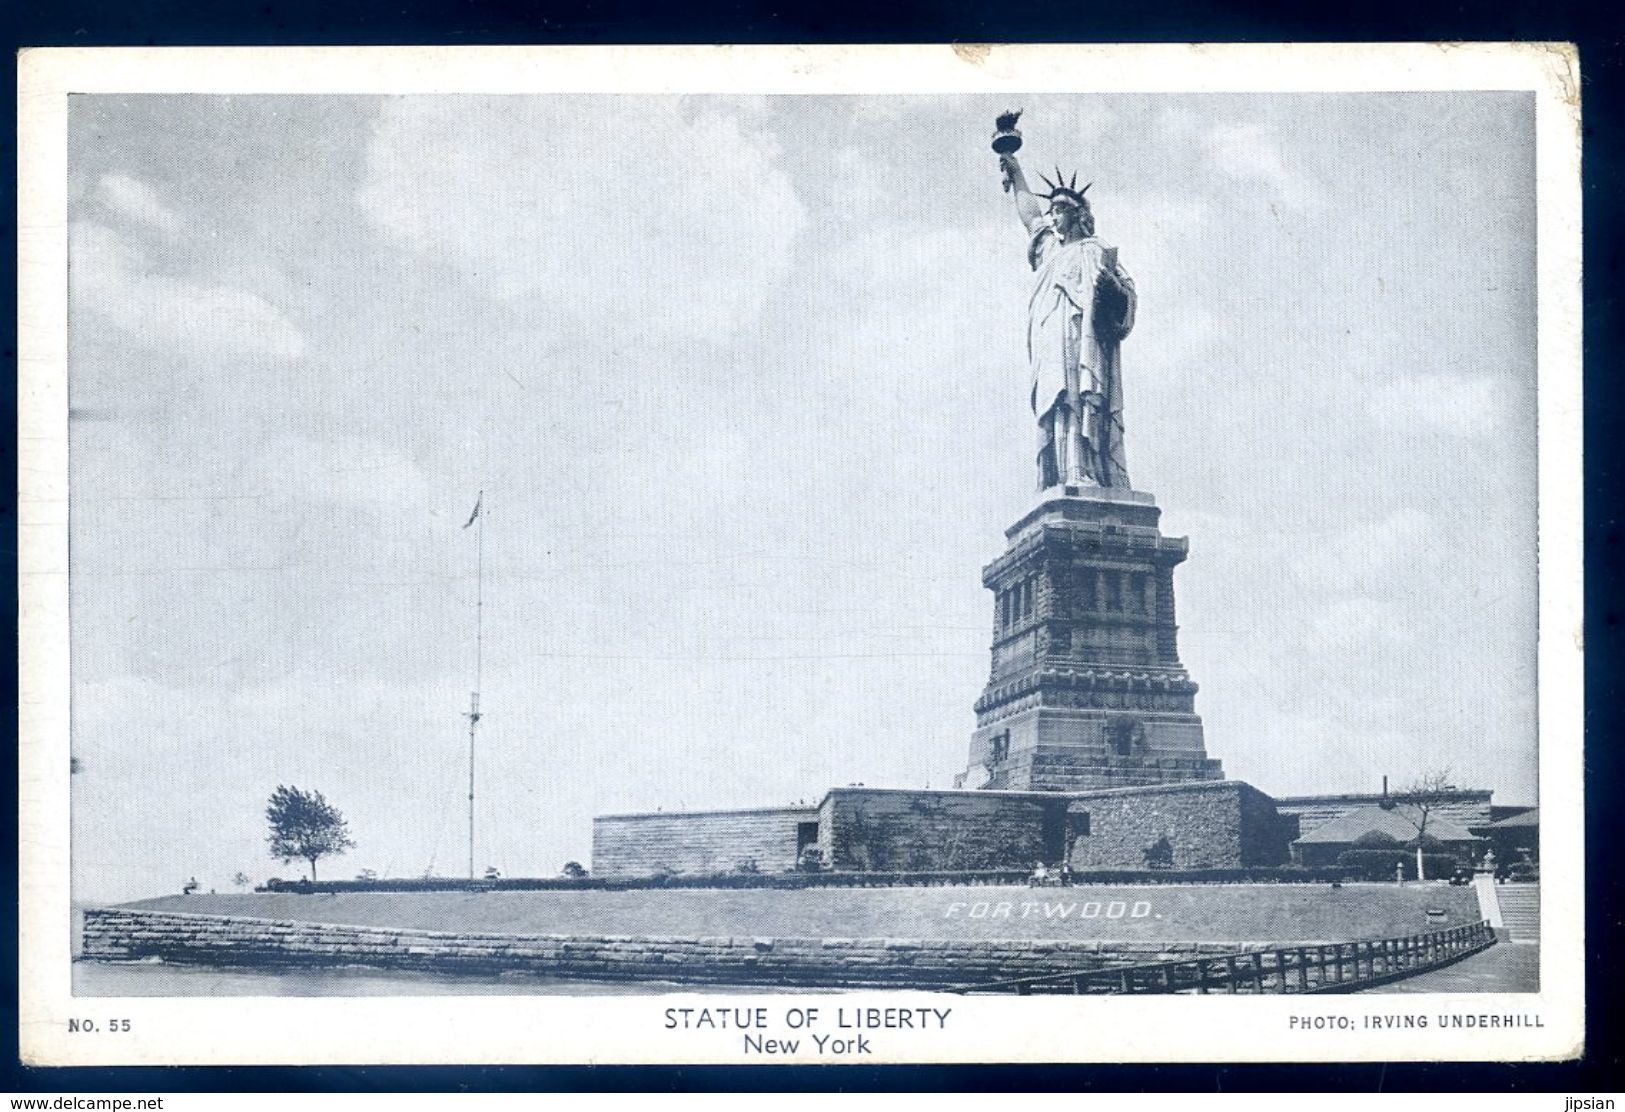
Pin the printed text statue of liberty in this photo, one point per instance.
(1082, 306)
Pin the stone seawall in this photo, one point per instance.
(122, 934)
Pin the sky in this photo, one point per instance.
(743, 382)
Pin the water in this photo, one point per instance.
(95, 978)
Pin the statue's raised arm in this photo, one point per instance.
(1006, 142)
(1028, 206)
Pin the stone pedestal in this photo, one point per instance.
(1086, 690)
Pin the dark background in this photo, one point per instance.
(1597, 28)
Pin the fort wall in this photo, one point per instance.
(1222, 824)
(882, 829)
(1219, 824)
(763, 839)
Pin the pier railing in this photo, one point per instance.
(1328, 967)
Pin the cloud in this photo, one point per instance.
(137, 201)
(348, 471)
(641, 215)
(1456, 405)
(1369, 549)
(1354, 625)
(1249, 153)
(110, 277)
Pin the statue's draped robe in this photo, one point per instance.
(1082, 307)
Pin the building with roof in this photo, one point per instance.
(1395, 826)
(1516, 836)
(1468, 808)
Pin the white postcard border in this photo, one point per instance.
(560, 1029)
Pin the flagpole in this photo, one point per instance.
(478, 520)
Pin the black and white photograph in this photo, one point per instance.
(783, 555)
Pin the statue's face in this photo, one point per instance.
(1067, 219)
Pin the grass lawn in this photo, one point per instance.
(1267, 913)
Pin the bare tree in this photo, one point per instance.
(1422, 799)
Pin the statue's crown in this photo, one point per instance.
(1062, 188)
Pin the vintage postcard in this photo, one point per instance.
(801, 555)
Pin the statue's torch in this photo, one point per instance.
(1006, 140)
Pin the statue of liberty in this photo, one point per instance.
(1081, 309)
